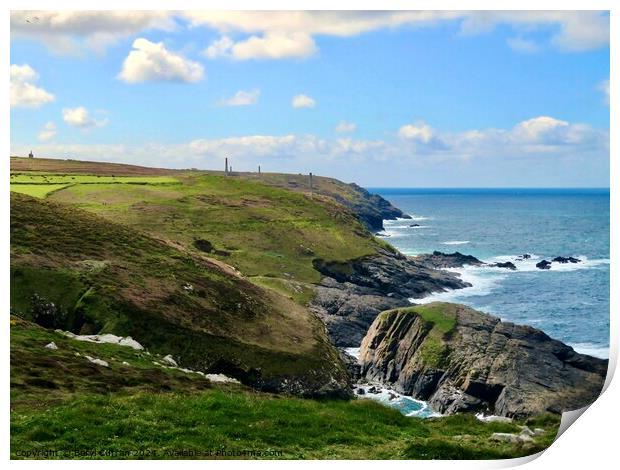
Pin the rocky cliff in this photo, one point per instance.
(351, 294)
(460, 359)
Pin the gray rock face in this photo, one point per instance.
(439, 260)
(351, 294)
(460, 359)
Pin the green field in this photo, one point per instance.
(39, 190)
(50, 178)
(136, 405)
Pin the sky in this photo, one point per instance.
(385, 99)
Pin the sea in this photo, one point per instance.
(569, 302)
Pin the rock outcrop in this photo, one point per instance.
(460, 359)
(439, 260)
(351, 294)
(372, 209)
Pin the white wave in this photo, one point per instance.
(530, 264)
(393, 399)
(355, 352)
(419, 217)
(456, 242)
(591, 349)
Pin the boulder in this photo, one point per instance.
(506, 265)
(459, 359)
(544, 264)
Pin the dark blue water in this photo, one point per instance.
(569, 302)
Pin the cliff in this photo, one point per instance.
(460, 359)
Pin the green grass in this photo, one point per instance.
(37, 190)
(260, 229)
(50, 178)
(142, 406)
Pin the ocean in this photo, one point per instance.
(569, 302)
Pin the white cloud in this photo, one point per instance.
(526, 46)
(23, 93)
(421, 132)
(303, 101)
(538, 129)
(48, 132)
(271, 45)
(219, 48)
(284, 34)
(604, 88)
(70, 32)
(150, 61)
(344, 127)
(566, 30)
(538, 138)
(80, 117)
(241, 98)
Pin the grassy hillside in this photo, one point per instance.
(61, 401)
(77, 271)
(265, 226)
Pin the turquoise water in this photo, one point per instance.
(569, 302)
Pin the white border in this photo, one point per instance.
(592, 442)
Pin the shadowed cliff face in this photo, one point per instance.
(460, 359)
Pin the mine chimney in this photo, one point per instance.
(310, 181)
(226, 166)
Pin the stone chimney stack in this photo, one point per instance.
(226, 167)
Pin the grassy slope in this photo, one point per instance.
(139, 405)
(260, 229)
(106, 277)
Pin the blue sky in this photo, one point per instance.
(383, 99)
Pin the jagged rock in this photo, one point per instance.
(439, 260)
(563, 260)
(351, 294)
(414, 225)
(544, 264)
(507, 265)
(361, 391)
(459, 359)
(51, 345)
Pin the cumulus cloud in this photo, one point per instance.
(343, 127)
(271, 45)
(241, 98)
(285, 34)
(538, 138)
(48, 132)
(303, 101)
(70, 32)
(566, 30)
(23, 92)
(151, 61)
(80, 117)
(421, 132)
